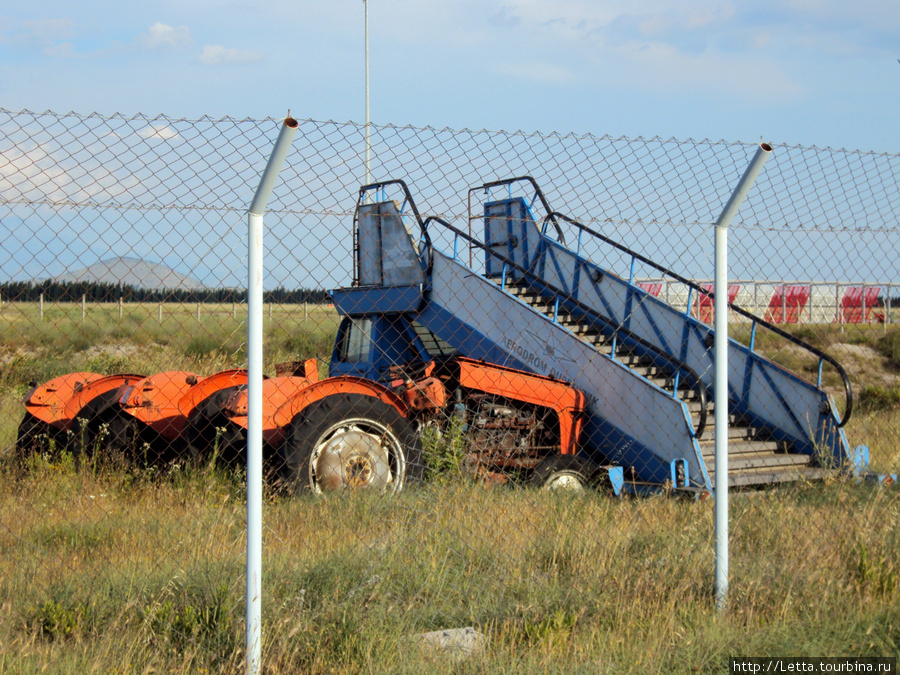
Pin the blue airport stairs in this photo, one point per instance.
(645, 366)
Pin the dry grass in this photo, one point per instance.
(108, 571)
(105, 572)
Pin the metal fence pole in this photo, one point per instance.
(839, 311)
(253, 659)
(721, 376)
(865, 317)
(888, 307)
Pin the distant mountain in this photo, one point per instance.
(133, 272)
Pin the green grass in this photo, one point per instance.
(106, 570)
(107, 575)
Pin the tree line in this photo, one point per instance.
(92, 291)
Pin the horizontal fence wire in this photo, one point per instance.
(488, 404)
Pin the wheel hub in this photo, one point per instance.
(352, 457)
(565, 481)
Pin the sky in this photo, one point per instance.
(821, 73)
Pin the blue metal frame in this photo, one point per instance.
(766, 395)
(613, 299)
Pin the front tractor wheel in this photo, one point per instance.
(563, 472)
(351, 442)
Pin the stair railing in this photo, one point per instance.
(675, 364)
(823, 357)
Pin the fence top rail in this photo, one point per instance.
(785, 281)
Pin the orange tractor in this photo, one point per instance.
(334, 433)
(403, 373)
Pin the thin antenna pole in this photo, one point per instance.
(368, 119)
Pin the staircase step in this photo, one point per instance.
(694, 406)
(772, 476)
(739, 446)
(654, 372)
(759, 461)
(580, 329)
(735, 432)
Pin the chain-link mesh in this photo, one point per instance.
(488, 339)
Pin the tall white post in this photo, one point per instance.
(368, 119)
(720, 344)
(253, 661)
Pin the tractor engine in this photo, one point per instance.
(508, 420)
(508, 434)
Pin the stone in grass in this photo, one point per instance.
(456, 644)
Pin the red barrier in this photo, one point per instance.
(786, 305)
(860, 305)
(653, 288)
(704, 305)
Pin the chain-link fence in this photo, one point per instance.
(522, 312)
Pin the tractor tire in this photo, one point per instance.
(563, 472)
(350, 442)
(90, 427)
(209, 434)
(35, 437)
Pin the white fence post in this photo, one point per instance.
(253, 659)
(720, 392)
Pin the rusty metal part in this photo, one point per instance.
(427, 394)
(565, 400)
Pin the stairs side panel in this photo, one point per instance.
(631, 420)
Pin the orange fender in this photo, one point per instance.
(154, 401)
(209, 386)
(282, 401)
(94, 389)
(345, 384)
(275, 392)
(47, 402)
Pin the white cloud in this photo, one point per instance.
(63, 50)
(160, 131)
(45, 173)
(42, 33)
(161, 35)
(216, 55)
